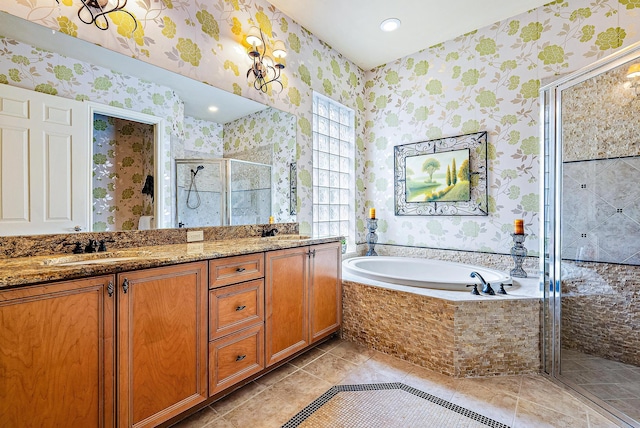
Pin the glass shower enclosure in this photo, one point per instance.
(591, 227)
(221, 192)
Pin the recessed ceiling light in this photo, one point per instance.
(213, 109)
(390, 24)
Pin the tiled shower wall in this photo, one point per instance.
(601, 217)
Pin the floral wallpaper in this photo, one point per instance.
(122, 160)
(202, 139)
(267, 136)
(485, 80)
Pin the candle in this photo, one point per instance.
(270, 219)
(372, 213)
(518, 226)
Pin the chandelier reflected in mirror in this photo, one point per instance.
(96, 11)
(266, 69)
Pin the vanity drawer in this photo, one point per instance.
(231, 270)
(235, 357)
(235, 307)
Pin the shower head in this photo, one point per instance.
(198, 168)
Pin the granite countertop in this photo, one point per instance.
(22, 271)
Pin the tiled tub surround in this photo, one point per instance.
(457, 338)
(451, 332)
(601, 310)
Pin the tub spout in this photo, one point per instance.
(486, 287)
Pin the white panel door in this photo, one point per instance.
(44, 163)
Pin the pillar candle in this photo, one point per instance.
(518, 226)
(372, 213)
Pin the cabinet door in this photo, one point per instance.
(162, 354)
(325, 297)
(286, 295)
(57, 355)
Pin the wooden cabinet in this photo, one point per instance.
(236, 320)
(325, 296)
(303, 294)
(162, 353)
(57, 355)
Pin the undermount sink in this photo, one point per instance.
(95, 258)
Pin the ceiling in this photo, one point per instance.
(352, 27)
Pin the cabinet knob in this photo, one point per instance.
(125, 285)
(110, 288)
(241, 357)
(239, 308)
(240, 270)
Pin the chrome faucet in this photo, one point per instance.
(269, 232)
(486, 287)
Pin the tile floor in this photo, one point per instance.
(270, 401)
(614, 382)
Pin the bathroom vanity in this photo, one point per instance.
(140, 337)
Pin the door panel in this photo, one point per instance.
(44, 182)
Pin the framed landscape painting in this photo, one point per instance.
(447, 176)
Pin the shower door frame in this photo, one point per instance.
(551, 211)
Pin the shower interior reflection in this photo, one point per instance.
(220, 192)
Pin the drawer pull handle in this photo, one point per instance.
(240, 270)
(239, 308)
(241, 357)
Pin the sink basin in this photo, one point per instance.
(94, 258)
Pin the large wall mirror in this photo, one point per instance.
(131, 171)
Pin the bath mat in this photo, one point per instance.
(387, 405)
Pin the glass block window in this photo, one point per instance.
(333, 169)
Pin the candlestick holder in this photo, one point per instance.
(518, 253)
(372, 237)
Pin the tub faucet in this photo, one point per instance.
(486, 287)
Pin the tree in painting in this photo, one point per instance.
(430, 166)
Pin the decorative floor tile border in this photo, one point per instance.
(305, 413)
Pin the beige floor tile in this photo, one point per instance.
(198, 420)
(354, 353)
(531, 415)
(598, 421)
(279, 403)
(267, 410)
(389, 366)
(630, 407)
(494, 404)
(506, 384)
(221, 422)
(603, 364)
(329, 344)
(609, 391)
(431, 382)
(539, 390)
(233, 400)
(307, 357)
(363, 374)
(329, 368)
(276, 375)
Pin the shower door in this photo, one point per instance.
(591, 222)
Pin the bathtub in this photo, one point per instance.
(423, 273)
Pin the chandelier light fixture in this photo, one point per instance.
(265, 70)
(96, 11)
